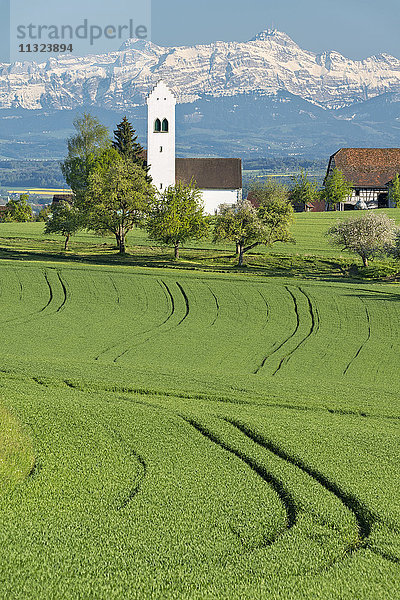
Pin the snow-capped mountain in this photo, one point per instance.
(268, 63)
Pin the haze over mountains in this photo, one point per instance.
(252, 98)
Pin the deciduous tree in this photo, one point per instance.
(366, 236)
(248, 226)
(91, 139)
(64, 219)
(177, 216)
(394, 190)
(304, 191)
(19, 210)
(336, 188)
(119, 195)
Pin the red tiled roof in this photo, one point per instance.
(367, 167)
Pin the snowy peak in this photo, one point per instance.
(274, 36)
(267, 64)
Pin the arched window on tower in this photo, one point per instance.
(157, 125)
(165, 125)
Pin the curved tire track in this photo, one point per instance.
(216, 304)
(313, 328)
(64, 289)
(364, 517)
(36, 313)
(143, 469)
(186, 299)
(169, 297)
(283, 494)
(267, 307)
(286, 339)
(364, 342)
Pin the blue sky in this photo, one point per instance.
(356, 28)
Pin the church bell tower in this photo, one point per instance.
(161, 136)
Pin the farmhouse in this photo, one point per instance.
(219, 179)
(370, 171)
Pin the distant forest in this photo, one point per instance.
(47, 173)
(31, 173)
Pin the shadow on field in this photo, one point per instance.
(271, 265)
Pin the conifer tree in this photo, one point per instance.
(125, 141)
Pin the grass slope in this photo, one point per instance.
(198, 435)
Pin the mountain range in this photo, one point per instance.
(266, 95)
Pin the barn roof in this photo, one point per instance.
(210, 173)
(367, 167)
(67, 197)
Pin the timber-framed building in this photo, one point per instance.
(370, 171)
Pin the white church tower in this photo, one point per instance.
(161, 136)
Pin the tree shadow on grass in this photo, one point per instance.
(308, 268)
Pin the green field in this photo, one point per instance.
(183, 434)
(308, 231)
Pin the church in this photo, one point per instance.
(219, 179)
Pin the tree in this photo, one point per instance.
(366, 236)
(125, 141)
(177, 216)
(240, 225)
(394, 190)
(44, 213)
(276, 215)
(19, 210)
(64, 219)
(336, 188)
(91, 139)
(119, 196)
(269, 190)
(249, 226)
(304, 191)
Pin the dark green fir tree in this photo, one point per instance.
(125, 141)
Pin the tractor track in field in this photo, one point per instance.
(21, 287)
(186, 299)
(170, 298)
(143, 469)
(283, 494)
(115, 288)
(364, 517)
(216, 305)
(155, 330)
(36, 313)
(313, 328)
(50, 293)
(64, 289)
(267, 307)
(364, 342)
(275, 350)
(220, 399)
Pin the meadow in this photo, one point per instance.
(171, 433)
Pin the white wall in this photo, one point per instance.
(213, 198)
(161, 104)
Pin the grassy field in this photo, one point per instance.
(181, 434)
(308, 230)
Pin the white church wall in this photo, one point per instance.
(161, 144)
(213, 198)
